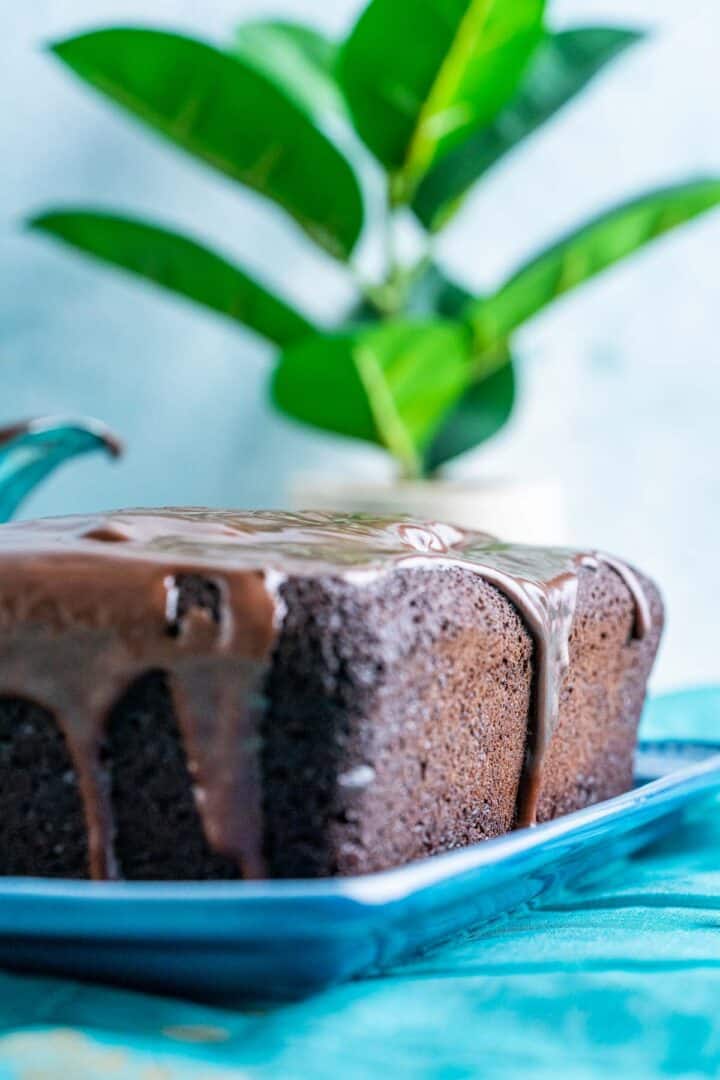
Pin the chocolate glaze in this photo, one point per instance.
(89, 604)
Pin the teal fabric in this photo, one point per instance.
(618, 973)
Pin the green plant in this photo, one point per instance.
(438, 92)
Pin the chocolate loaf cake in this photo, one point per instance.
(190, 694)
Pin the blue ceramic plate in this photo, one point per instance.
(284, 938)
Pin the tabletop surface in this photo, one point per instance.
(619, 971)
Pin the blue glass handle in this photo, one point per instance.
(32, 449)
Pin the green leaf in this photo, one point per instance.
(296, 57)
(586, 252)
(390, 384)
(420, 75)
(563, 64)
(481, 412)
(179, 264)
(487, 403)
(225, 112)
(30, 451)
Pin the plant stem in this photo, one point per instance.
(389, 237)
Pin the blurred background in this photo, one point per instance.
(619, 383)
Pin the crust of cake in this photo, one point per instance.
(395, 722)
(590, 757)
(157, 829)
(397, 716)
(42, 827)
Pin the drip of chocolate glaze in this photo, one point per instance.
(89, 604)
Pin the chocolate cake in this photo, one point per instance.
(191, 694)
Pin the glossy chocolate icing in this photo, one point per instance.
(89, 604)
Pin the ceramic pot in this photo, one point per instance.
(525, 511)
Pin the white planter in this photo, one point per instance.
(525, 511)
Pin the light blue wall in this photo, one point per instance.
(621, 385)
